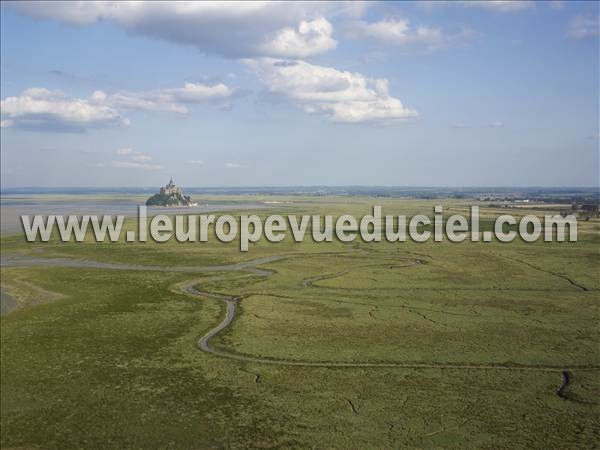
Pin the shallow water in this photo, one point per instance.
(13, 206)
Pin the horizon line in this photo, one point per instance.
(389, 186)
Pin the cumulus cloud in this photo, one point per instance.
(43, 109)
(133, 159)
(309, 38)
(146, 101)
(400, 32)
(40, 108)
(233, 29)
(501, 6)
(343, 96)
(171, 100)
(581, 27)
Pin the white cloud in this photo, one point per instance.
(141, 158)
(496, 124)
(231, 165)
(502, 6)
(134, 160)
(309, 38)
(581, 27)
(41, 108)
(196, 161)
(233, 29)
(171, 100)
(400, 32)
(146, 101)
(499, 5)
(197, 92)
(135, 165)
(343, 96)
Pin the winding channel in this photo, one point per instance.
(252, 267)
(231, 306)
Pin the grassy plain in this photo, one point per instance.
(110, 359)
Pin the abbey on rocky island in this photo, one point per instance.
(170, 195)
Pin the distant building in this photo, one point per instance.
(170, 189)
(170, 195)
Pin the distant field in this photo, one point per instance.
(99, 358)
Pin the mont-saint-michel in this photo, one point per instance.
(170, 195)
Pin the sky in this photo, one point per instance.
(495, 93)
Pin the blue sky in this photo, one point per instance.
(436, 93)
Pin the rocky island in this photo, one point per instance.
(170, 195)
